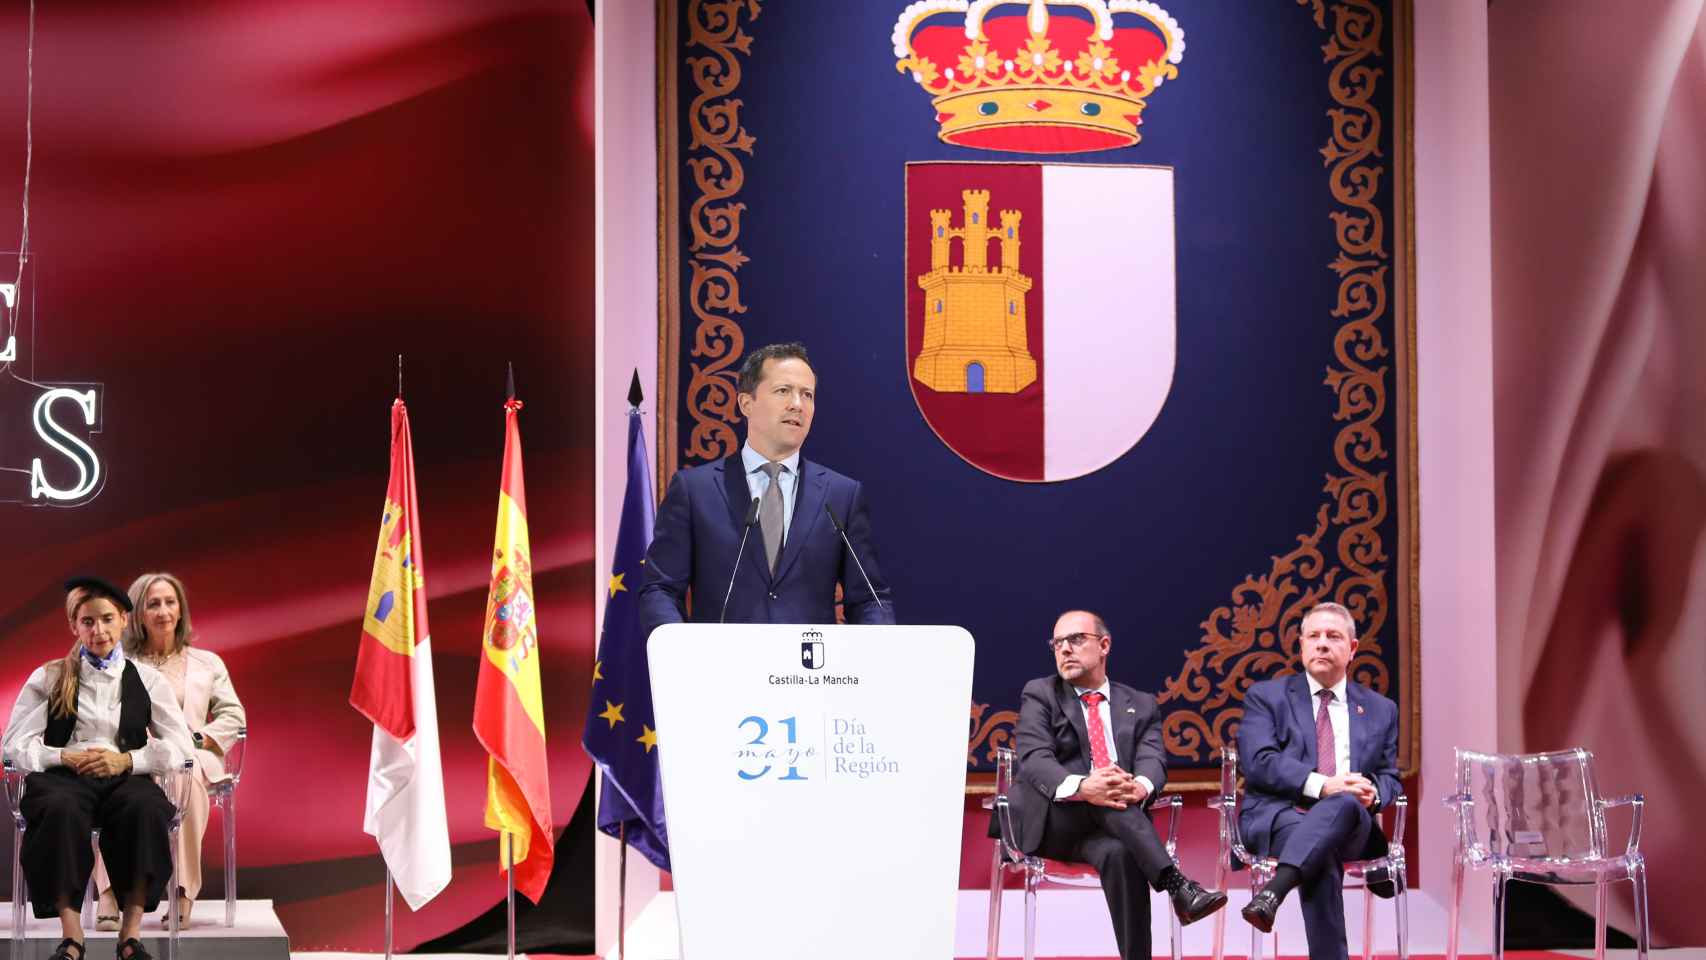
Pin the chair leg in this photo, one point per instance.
(993, 941)
(1257, 881)
(1176, 931)
(1600, 898)
(20, 896)
(228, 809)
(172, 897)
(1367, 921)
(90, 895)
(1220, 915)
(1401, 906)
(1643, 934)
(1498, 916)
(1456, 907)
(1030, 914)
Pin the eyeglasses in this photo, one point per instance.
(1073, 640)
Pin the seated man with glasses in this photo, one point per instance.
(1090, 760)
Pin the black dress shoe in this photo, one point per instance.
(63, 951)
(133, 949)
(1379, 881)
(1260, 911)
(1191, 902)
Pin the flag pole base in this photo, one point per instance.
(390, 891)
(509, 877)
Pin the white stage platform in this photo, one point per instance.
(257, 936)
(1074, 923)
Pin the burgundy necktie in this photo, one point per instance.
(1098, 741)
(1326, 751)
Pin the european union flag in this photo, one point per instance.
(620, 732)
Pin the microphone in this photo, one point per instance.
(746, 531)
(838, 529)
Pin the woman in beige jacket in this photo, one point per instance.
(160, 636)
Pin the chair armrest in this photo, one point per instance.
(233, 758)
(1173, 802)
(1401, 804)
(175, 784)
(14, 788)
(1639, 803)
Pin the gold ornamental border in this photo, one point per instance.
(1342, 557)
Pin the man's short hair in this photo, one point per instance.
(1096, 618)
(1328, 606)
(752, 368)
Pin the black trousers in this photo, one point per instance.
(62, 808)
(1125, 849)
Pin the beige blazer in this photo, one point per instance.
(212, 709)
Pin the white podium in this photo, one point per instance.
(814, 784)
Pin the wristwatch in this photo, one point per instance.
(196, 736)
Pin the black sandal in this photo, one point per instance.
(63, 952)
(137, 950)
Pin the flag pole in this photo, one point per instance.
(622, 892)
(509, 875)
(390, 888)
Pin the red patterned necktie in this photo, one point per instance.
(1098, 740)
(1326, 751)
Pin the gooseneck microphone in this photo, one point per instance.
(745, 531)
(838, 529)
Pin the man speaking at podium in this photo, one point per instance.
(764, 536)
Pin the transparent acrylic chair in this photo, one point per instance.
(1262, 869)
(173, 784)
(1539, 817)
(1008, 858)
(224, 796)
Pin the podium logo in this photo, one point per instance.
(811, 649)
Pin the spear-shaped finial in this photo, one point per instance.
(510, 382)
(635, 396)
(399, 376)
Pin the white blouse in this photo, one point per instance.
(98, 701)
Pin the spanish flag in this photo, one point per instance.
(509, 715)
(394, 689)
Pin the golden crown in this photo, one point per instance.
(1058, 77)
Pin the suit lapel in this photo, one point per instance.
(1357, 714)
(809, 494)
(1074, 711)
(1297, 691)
(740, 500)
(1125, 724)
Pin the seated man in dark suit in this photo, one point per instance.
(1090, 760)
(1320, 759)
(794, 555)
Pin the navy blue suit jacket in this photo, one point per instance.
(698, 532)
(1276, 749)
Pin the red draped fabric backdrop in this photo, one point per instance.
(240, 214)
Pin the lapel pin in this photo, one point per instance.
(1359, 710)
(1130, 709)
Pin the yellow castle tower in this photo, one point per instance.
(974, 315)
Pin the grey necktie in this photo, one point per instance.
(770, 514)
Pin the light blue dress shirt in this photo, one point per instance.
(757, 482)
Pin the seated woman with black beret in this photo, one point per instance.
(83, 724)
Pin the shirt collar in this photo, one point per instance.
(113, 659)
(1338, 689)
(1106, 690)
(751, 459)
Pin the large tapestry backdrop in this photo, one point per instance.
(1108, 305)
(240, 216)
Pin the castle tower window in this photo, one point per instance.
(974, 218)
(1013, 307)
(938, 306)
(938, 231)
(974, 377)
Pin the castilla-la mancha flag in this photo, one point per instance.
(509, 715)
(393, 688)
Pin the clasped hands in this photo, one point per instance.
(97, 762)
(1110, 786)
(1352, 783)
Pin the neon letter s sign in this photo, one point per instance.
(68, 444)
